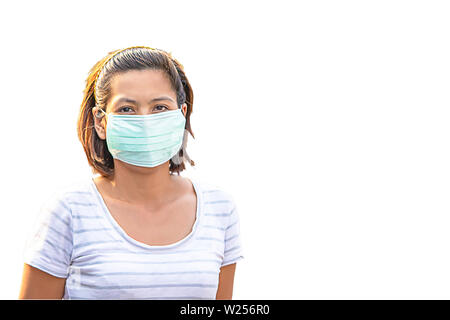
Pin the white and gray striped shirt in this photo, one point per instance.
(75, 237)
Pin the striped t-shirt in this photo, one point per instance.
(75, 237)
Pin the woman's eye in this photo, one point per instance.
(160, 109)
(125, 109)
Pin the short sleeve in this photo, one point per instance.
(233, 247)
(49, 245)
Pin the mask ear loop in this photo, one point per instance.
(98, 115)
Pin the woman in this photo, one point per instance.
(137, 230)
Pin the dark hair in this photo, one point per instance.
(98, 91)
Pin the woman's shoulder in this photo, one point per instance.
(213, 192)
(68, 193)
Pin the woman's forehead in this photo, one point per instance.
(141, 85)
(140, 78)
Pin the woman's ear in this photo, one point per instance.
(99, 123)
(184, 109)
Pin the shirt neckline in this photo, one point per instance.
(135, 242)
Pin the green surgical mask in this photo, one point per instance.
(145, 140)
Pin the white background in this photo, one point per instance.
(328, 121)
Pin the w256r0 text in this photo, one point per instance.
(246, 309)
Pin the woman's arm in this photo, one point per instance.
(37, 284)
(226, 280)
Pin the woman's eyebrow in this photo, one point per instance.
(162, 98)
(124, 99)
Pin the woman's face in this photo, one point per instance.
(139, 92)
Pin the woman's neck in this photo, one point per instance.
(142, 185)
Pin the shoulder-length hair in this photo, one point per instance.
(98, 92)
